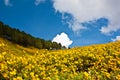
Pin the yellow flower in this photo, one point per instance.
(4, 53)
(118, 62)
(37, 79)
(25, 75)
(86, 74)
(47, 78)
(2, 44)
(118, 77)
(5, 75)
(13, 72)
(76, 62)
(107, 74)
(37, 52)
(18, 78)
(32, 74)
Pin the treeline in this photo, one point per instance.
(24, 39)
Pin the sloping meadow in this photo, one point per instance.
(95, 62)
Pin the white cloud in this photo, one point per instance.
(7, 3)
(37, 2)
(117, 38)
(63, 39)
(88, 10)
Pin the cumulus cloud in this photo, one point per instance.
(37, 2)
(88, 10)
(117, 38)
(7, 3)
(63, 39)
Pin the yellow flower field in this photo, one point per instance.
(96, 62)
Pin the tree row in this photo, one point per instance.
(24, 39)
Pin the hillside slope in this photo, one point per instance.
(95, 62)
(12, 48)
(24, 39)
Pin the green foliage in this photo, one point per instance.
(24, 39)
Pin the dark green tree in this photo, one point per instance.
(24, 39)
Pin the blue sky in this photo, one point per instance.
(81, 24)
